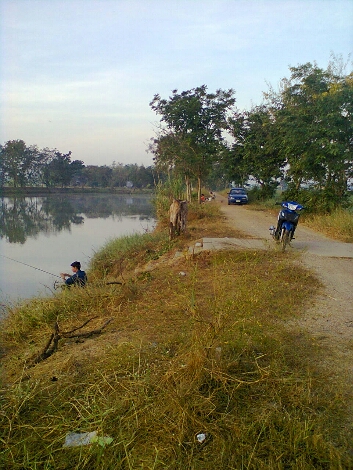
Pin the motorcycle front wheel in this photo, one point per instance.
(285, 239)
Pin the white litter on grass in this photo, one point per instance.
(201, 437)
(182, 273)
(74, 439)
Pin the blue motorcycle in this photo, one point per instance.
(288, 218)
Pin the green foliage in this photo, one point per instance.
(315, 200)
(256, 148)
(313, 113)
(59, 170)
(19, 164)
(302, 133)
(173, 187)
(262, 193)
(191, 134)
(23, 166)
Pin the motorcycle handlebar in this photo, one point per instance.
(280, 203)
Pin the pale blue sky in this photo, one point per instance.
(79, 74)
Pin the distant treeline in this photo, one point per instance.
(28, 166)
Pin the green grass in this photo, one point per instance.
(208, 352)
(124, 254)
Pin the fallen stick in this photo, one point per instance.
(52, 344)
(88, 333)
(79, 327)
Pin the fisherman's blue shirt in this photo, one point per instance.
(79, 279)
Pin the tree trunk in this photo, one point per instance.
(188, 188)
(199, 189)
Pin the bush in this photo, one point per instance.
(165, 192)
(316, 200)
(262, 193)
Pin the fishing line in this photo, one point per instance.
(38, 269)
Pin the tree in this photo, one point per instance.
(261, 156)
(19, 163)
(98, 176)
(170, 152)
(2, 167)
(119, 175)
(313, 114)
(232, 158)
(77, 177)
(58, 170)
(255, 151)
(192, 130)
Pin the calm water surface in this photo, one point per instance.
(51, 232)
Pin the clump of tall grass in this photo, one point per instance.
(124, 253)
(338, 224)
(164, 194)
(30, 320)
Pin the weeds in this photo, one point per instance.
(206, 353)
(124, 254)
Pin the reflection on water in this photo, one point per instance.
(26, 217)
(52, 231)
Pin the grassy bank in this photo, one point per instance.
(196, 370)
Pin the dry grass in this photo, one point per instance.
(337, 225)
(206, 352)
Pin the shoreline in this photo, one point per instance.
(37, 191)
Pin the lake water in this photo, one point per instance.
(50, 232)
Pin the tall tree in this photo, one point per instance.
(313, 113)
(261, 156)
(58, 171)
(192, 129)
(255, 150)
(19, 163)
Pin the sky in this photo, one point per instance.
(78, 75)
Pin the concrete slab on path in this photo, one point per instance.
(226, 243)
(329, 249)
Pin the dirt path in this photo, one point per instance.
(330, 320)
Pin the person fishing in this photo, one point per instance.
(78, 278)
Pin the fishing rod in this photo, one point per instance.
(38, 269)
(56, 284)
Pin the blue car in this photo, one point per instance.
(237, 196)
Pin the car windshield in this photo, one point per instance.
(237, 191)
